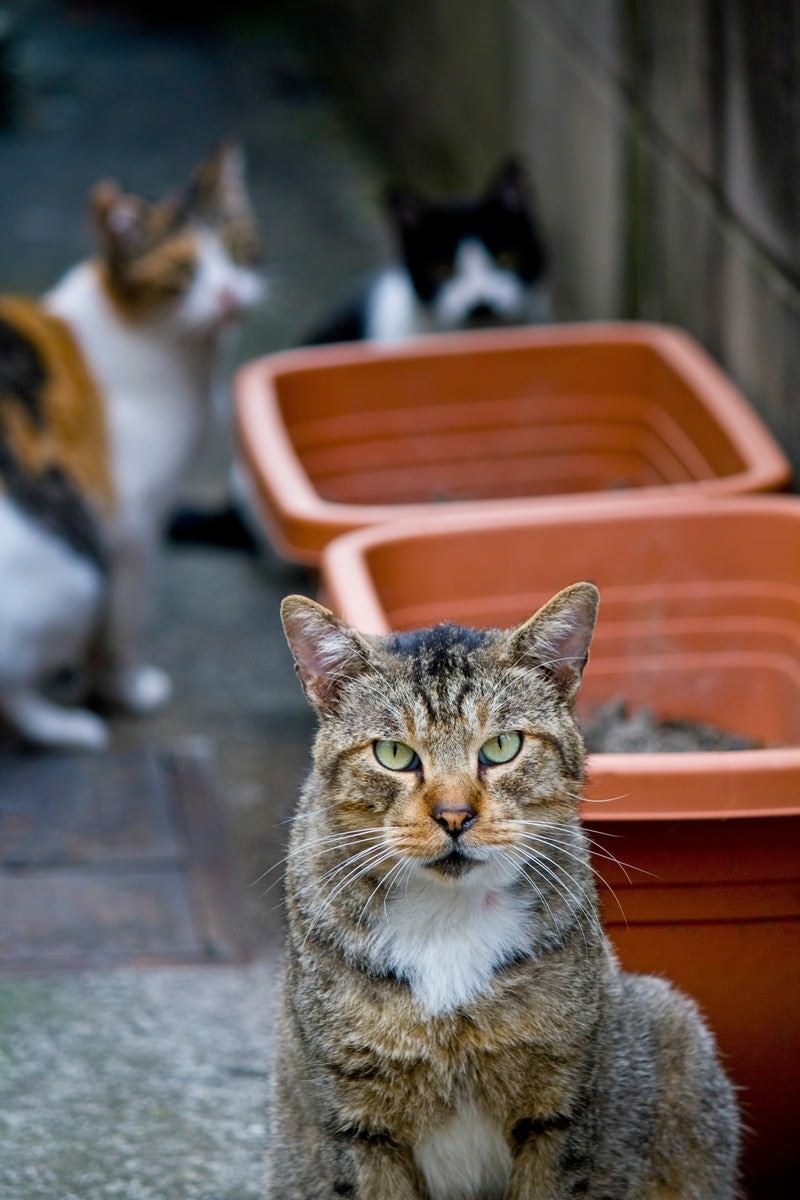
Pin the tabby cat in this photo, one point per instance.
(105, 386)
(454, 1024)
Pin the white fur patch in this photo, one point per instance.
(467, 1158)
(478, 281)
(221, 290)
(394, 311)
(49, 599)
(156, 387)
(447, 937)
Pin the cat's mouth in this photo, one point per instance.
(454, 864)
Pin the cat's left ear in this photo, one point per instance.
(509, 186)
(327, 653)
(119, 219)
(556, 638)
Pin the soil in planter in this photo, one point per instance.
(612, 728)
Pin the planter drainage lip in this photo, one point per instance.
(300, 520)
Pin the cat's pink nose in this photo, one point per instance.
(228, 301)
(454, 821)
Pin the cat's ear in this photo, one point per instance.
(556, 638)
(327, 653)
(119, 219)
(218, 184)
(404, 206)
(509, 186)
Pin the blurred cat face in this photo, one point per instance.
(473, 262)
(451, 751)
(189, 260)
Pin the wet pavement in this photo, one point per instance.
(149, 1084)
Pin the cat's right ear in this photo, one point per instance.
(327, 653)
(556, 639)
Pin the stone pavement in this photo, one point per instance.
(150, 1084)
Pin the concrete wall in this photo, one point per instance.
(426, 81)
(665, 140)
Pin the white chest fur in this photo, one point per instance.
(447, 938)
(394, 311)
(467, 1158)
(156, 389)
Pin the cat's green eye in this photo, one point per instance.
(500, 749)
(506, 259)
(396, 756)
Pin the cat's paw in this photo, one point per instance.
(139, 690)
(82, 730)
(46, 724)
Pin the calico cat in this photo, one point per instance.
(462, 263)
(105, 385)
(453, 1023)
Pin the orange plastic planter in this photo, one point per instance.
(335, 438)
(699, 618)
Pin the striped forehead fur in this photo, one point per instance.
(441, 685)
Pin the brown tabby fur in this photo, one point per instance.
(599, 1084)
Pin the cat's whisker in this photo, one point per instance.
(561, 825)
(605, 853)
(317, 842)
(542, 869)
(350, 866)
(379, 855)
(595, 917)
(559, 874)
(603, 800)
(518, 862)
(381, 883)
(355, 838)
(599, 851)
(350, 861)
(334, 841)
(532, 838)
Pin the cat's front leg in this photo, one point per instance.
(121, 676)
(551, 1161)
(383, 1172)
(310, 1162)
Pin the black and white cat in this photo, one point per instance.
(462, 263)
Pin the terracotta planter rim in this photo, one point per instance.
(351, 589)
(304, 521)
(344, 556)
